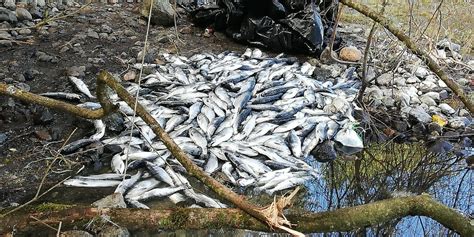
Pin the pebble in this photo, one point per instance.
(113, 231)
(420, 114)
(412, 80)
(44, 57)
(5, 35)
(443, 95)
(130, 75)
(30, 74)
(43, 134)
(23, 86)
(43, 117)
(23, 15)
(434, 127)
(92, 34)
(75, 233)
(3, 138)
(350, 53)
(36, 13)
(385, 79)
(456, 123)
(10, 4)
(446, 109)
(427, 100)
(433, 95)
(464, 113)
(112, 201)
(76, 71)
(24, 31)
(421, 72)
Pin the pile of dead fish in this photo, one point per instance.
(258, 121)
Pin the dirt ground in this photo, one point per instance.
(35, 133)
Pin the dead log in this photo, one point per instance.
(344, 219)
(416, 49)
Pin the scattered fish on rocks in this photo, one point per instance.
(254, 118)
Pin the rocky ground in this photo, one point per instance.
(411, 101)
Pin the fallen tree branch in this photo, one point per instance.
(28, 97)
(416, 49)
(344, 219)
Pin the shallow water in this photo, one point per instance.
(378, 172)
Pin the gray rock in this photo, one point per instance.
(427, 85)
(76, 71)
(463, 81)
(457, 123)
(103, 35)
(388, 101)
(23, 15)
(434, 109)
(448, 45)
(4, 35)
(420, 114)
(113, 231)
(24, 31)
(36, 13)
(434, 127)
(433, 95)
(92, 34)
(162, 13)
(427, 100)
(43, 116)
(385, 79)
(40, 3)
(464, 113)
(3, 138)
(442, 84)
(415, 100)
(112, 201)
(7, 15)
(412, 79)
(402, 98)
(10, 4)
(400, 81)
(30, 74)
(443, 95)
(106, 29)
(23, 86)
(446, 109)
(75, 233)
(421, 72)
(44, 57)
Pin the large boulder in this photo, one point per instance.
(162, 12)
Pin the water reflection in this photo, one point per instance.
(379, 172)
(392, 169)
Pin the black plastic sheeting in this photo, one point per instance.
(302, 26)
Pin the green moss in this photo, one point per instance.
(179, 218)
(52, 207)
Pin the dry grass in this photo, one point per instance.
(455, 19)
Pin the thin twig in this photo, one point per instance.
(43, 223)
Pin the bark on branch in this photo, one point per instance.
(416, 49)
(28, 97)
(344, 219)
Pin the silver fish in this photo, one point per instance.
(158, 192)
(199, 139)
(81, 86)
(91, 183)
(222, 136)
